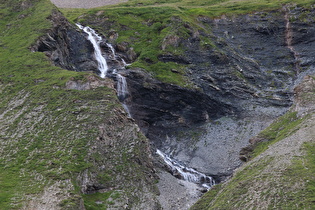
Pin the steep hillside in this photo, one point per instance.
(63, 148)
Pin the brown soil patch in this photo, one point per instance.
(85, 3)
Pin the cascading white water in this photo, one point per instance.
(112, 49)
(124, 62)
(185, 173)
(95, 39)
(122, 90)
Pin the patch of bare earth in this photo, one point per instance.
(84, 3)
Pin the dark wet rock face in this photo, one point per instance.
(169, 106)
(66, 46)
(253, 64)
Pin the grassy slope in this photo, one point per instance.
(20, 70)
(29, 78)
(45, 130)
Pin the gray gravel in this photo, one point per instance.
(84, 3)
(216, 150)
(177, 194)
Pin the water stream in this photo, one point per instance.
(178, 170)
(95, 39)
(289, 39)
(122, 90)
(188, 174)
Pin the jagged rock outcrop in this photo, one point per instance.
(252, 69)
(281, 176)
(156, 105)
(66, 46)
(69, 48)
(249, 75)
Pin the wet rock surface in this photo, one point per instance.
(66, 46)
(162, 105)
(177, 194)
(249, 78)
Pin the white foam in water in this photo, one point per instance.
(95, 39)
(186, 173)
(112, 49)
(122, 90)
(124, 62)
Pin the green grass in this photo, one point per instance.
(283, 127)
(230, 195)
(292, 188)
(96, 200)
(145, 30)
(225, 6)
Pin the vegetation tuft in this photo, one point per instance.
(283, 127)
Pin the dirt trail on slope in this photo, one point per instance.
(84, 3)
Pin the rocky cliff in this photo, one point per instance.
(239, 67)
(200, 87)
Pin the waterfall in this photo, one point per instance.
(185, 173)
(95, 39)
(122, 90)
(124, 62)
(178, 170)
(112, 49)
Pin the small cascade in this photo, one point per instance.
(185, 173)
(178, 170)
(122, 90)
(95, 39)
(111, 49)
(124, 62)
